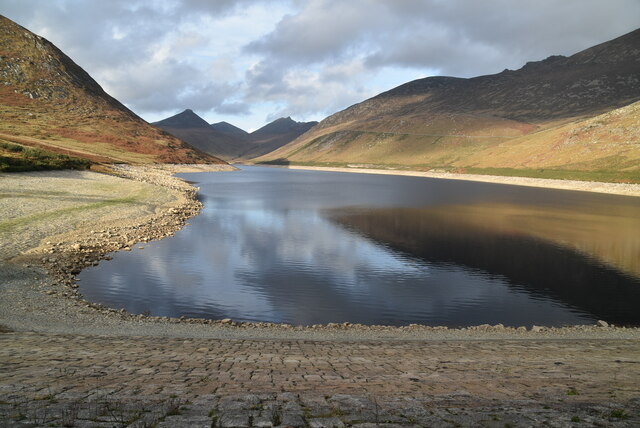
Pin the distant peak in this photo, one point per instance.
(283, 125)
(228, 128)
(284, 119)
(186, 119)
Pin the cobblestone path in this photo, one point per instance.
(57, 380)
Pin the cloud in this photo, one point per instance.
(302, 91)
(322, 30)
(258, 59)
(459, 37)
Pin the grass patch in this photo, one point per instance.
(619, 414)
(10, 224)
(572, 391)
(16, 158)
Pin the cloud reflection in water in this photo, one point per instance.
(270, 247)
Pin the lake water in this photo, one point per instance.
(308, 247)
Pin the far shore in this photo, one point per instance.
(624, 189)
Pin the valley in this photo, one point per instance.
(477, 266)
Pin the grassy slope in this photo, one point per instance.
(602, 148)
(558, 118)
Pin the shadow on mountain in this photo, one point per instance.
(549, 266)
(278, 162)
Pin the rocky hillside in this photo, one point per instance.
(460, 124)
(48, 101)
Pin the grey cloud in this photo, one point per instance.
(233, 108)
(305, 93)
(459, 37)
(470, 38)
(324, 29)
(213, 96)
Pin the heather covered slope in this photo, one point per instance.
(48, 101)
(506, 120)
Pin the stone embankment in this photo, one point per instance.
(102, 381)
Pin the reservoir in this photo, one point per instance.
(314, 247)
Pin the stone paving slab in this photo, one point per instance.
(63, 380)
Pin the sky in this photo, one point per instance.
(248, 62)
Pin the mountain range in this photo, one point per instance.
(568, 116)
(562, 117)
(230, 142)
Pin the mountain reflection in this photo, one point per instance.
(587, 260)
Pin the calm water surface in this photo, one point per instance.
(308, 247)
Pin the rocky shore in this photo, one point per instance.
(64, 256)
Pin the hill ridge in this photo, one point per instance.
(67, 111)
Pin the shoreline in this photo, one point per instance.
(54, 264)
(70, 362)
(621, 189)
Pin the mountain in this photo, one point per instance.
(230, 142)
(282, 125)
(48, 101)
(229, 129)
(191, 128)
(276, 134)
(500, 123)
(187, 119)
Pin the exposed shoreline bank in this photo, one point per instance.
(42, 294)
(623, 189)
